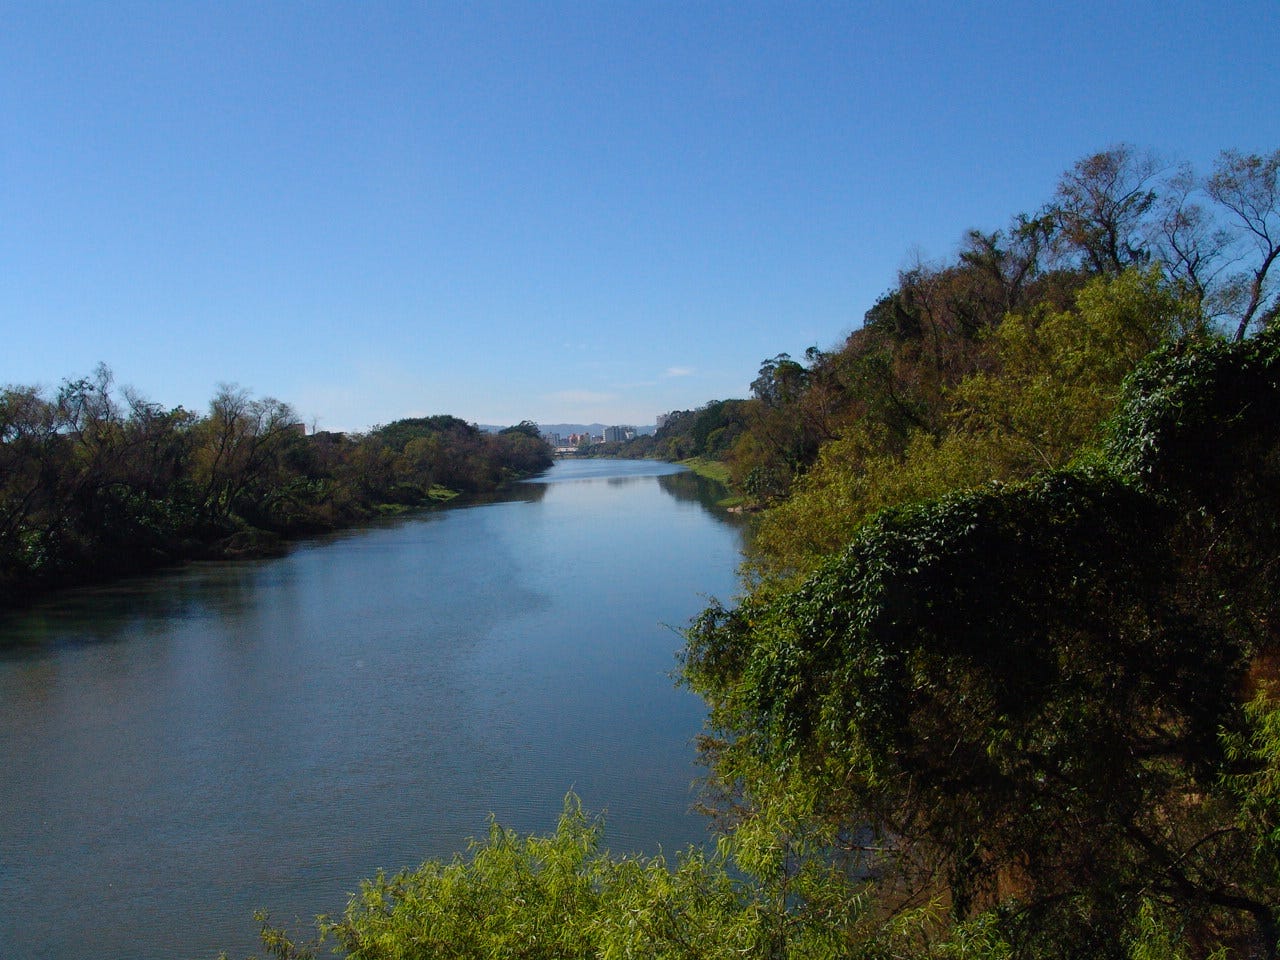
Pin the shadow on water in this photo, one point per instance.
(689, 487)
(109, 612)
(183, 748)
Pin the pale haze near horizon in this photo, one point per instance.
(561, 212)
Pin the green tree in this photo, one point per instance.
(1058, 374)
(240, 446)
(1024, 698)
(526, 427)
(1052, 378)
(562, 896)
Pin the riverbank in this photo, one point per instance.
(95, 486)
(718, 471)
(234, 539)
(268, 734)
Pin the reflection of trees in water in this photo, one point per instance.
(528, 491)
(689, 487)
(109, 614)
(112, 612)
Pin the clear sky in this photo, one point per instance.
(593, 211)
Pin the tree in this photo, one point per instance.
(1100, 208)
(1049, 380)
(526, 427)
(562, 896)
(1029, 693)
(779, 382)
(1247, 187)
(32, 455)
(95, 483)
(1114, 210)
(1198, 429)
(240, 445)
(1058, 374)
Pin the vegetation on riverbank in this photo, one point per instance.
(717, 471)
(1033, 719)
(1008, 652)
(1002, 683)
(1046, 706)
(97, 483)
(711, 469)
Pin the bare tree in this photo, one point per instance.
(1245, 185)
(1191, 244)
(1217, 238)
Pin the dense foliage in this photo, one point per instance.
(1027, 695)
(95, 484)
(1003, 361)
(1007, 619)
(562, 897)
(1049, 379)
(1003, 682)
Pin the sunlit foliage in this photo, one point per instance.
(1024, 701)
(1051, 378)
(562, 896)
(97, 482)
(1003, 682)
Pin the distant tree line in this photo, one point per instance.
(709, 431)
(97, 482)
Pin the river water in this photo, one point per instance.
(177, 751)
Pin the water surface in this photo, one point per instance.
(178, 750)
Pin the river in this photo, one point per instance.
(179, 750)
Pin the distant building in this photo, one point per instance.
(662, 420)
(619, 434)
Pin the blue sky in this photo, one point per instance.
(552, 211)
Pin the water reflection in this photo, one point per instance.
(178, 750)
(621, 471)
(107, 614)
(689, 487)
(111, 612)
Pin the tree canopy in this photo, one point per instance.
(1026, 693)
(1003, 678)
(97, 482)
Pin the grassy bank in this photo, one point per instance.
(716, 470)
